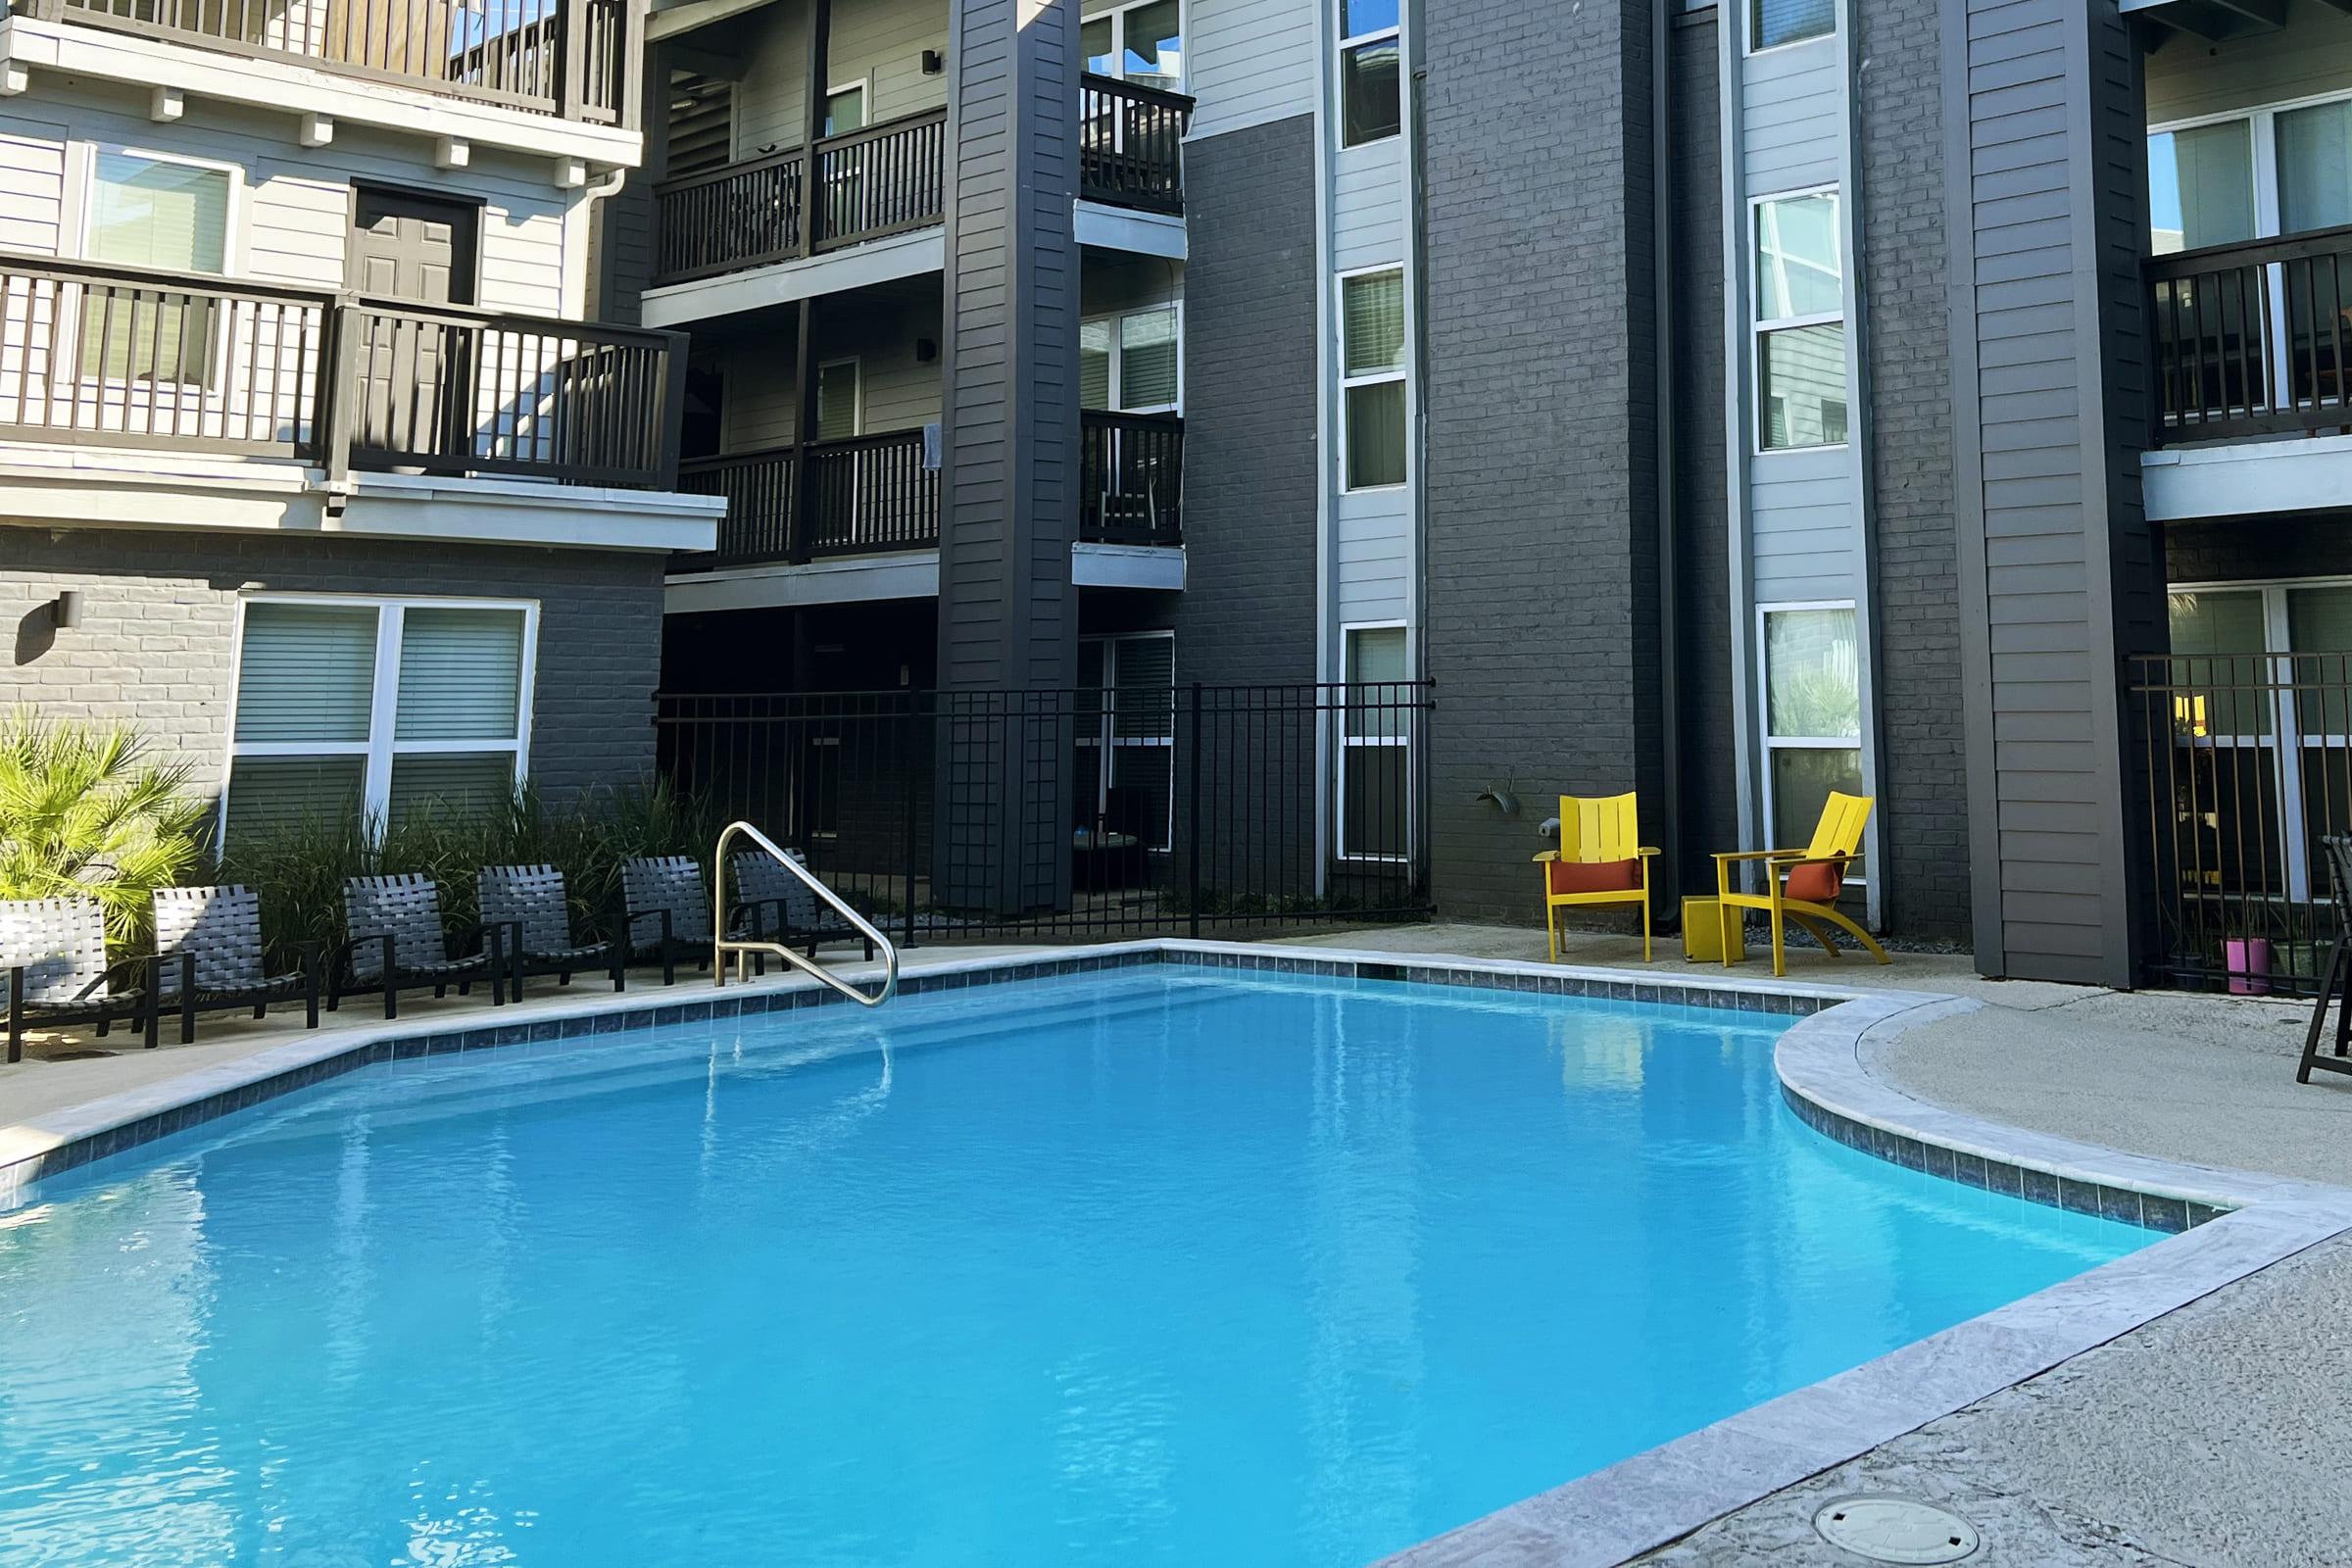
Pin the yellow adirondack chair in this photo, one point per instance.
(1802, 885)
(1601, 862)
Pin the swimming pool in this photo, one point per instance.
(1159, 1265)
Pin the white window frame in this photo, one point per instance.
(1107, 742)
(379, 749)
(1759, 328)
(1339, 78)
(1804, 743)
(1748, 32)
(2287, 737)
(1403, 373)
(191, 395)
(863, 86)
(1348, 743)
(1116, 16)
(1119, 355)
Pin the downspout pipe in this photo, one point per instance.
(1670, 717)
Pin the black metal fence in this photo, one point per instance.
(1080, 813)
(2249, 767)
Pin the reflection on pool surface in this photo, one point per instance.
(1155, 1266)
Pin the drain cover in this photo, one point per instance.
(1896, 1530)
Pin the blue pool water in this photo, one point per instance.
(1152, 1267)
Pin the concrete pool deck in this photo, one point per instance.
(2206, 1436)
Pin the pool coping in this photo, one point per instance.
(2229, 1224)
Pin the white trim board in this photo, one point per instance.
(855, 579)
(880, 261)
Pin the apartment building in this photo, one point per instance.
(1935, 401)
(311, 461)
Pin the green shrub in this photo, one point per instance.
(299, 871)
(85, 813)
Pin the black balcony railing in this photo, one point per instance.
(2249, 765)
(2251, 339)
(572, 58)
(1132, 479)
(1131, 144)
(112, 355)
(871, 184)
(867, 495)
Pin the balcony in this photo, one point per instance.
(574, 62)
(871, 184)
(2250, 339)
(1130, 145)
(873, 495)
(95, 357)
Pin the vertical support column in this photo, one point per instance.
(2058, 572)
(813, 130)
(1008, 503)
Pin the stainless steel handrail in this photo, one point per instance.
(744, 950)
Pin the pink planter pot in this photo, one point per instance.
(2248, 963)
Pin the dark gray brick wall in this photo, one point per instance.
(1542, 493)
(159, 619)
(1250, 467)
(1707, 788)
(2242, 552)
(1905, 269)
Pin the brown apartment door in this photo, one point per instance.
(416, 370)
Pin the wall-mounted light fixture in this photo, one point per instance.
(934, 61)
(925, 350)
(65, 611)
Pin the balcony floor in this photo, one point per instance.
(881, 261)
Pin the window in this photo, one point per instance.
(2200, 187)
(1126, 756)
(1800, 324)
(1131, 363)
(1372, 389)
(373, 708)
(1371, 78)
(160, 212)
(1773, 22)
(1375, 812)
(1139, 43)
(840, 401)
(1813, 715)
(2261, 734)
(845, 109)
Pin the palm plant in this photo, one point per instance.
(85, 814)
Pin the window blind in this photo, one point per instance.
(1147, 688)
(1148, 360)
(308, 674)
(1779, 22)
(1094, 365)
(268, 795)
(145, 213)
(1812, 674)
(2314, 169)
(1372, 309)
(460, 674)
(836, 401)
(466, 781)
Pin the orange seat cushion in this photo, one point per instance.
(1601, 876)
(1816, 884)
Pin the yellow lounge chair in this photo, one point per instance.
(1600, 862)
(1802, 885)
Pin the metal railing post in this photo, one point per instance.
(1191, 835)
(338, 391)
(908, 730)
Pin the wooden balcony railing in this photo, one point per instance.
(2251, 339)
(93, 355)
(885, 179)
(574, 58)
(866, 496)
(1131, 144)
(1131, 470)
